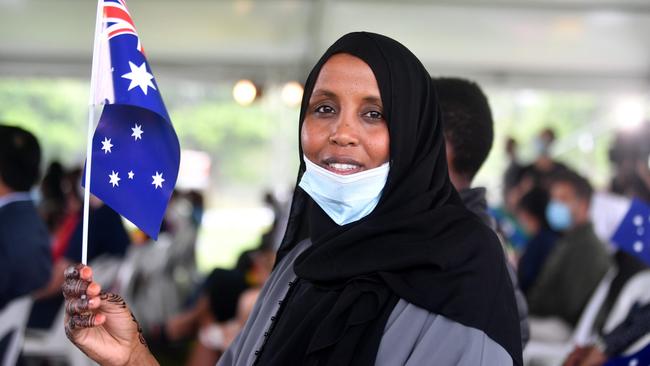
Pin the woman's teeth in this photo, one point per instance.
(343, 167)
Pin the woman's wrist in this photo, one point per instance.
(141, 356)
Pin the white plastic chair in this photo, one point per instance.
(13, 318)
(53, 344)
(636, 290)
(557, 340)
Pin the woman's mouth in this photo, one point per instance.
(342, 166)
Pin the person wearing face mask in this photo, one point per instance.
(381, 264)
(579, 259)
(539, 173)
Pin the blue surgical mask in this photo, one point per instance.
(540, 148)
(344, 198)
(558, 215)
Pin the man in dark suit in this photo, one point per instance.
(25, 258)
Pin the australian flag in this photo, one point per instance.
(135, 151)
(640, 358)
(633, 234)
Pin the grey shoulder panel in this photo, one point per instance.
(413, 336)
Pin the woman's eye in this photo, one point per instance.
(324, 109)
(374, 115)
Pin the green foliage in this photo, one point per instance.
(255, 146)
(571, 115)
(55, 110)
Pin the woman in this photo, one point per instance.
(531, 214)
(381, 264)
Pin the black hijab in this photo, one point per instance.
(419, 244)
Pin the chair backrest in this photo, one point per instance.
(583, 332)
(13, 318)
(636, 290)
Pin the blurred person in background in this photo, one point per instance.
(544, 167)
(630, 155)
(230, 305)
(531, 214)
(514, 169)
(71, 214)
(106, 236)
(468, 131)
(197, 200)
(579, 259)
(381, 263)
(52, 203)
(25, 258)
(218, 299)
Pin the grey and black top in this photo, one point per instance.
(412, 336)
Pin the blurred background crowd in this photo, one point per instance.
(559, 166)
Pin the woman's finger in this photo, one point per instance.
(76, 288)
(78, 322)
(81, 305)
(78, 271)
(88, 320)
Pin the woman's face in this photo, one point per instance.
(344, 130)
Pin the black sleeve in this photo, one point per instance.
(635, 326)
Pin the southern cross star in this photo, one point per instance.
(139, 77)
(137, 132)
(106, 145)
(157, 180)
(114, 179)
(131, 174)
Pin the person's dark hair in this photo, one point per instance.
(580, 184)
(52, 184)
(548, 133)
(20, 158)
(534, 203)
(511, 145)
(53, 201)
(245, 261)
(467, 123)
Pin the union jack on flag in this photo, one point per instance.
(135, 151)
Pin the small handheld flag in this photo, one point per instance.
(633, 234)
(135, 151)
(640, 358)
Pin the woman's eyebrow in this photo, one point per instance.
(373, 100)
(324, 93)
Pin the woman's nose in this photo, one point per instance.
(345, 132)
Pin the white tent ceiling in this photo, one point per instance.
(595, 44)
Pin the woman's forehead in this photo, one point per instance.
(344, 73)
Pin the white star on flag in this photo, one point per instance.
(106, 145)
(139, 77)
(131, 174)
(157, 180)
(114, 179)
(137, 132)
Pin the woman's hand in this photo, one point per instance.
(101, 324)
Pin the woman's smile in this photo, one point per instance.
(341, 165)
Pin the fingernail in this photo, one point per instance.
(91, 302)
(93, 288)
(86, 273)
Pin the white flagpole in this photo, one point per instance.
(91, 128)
